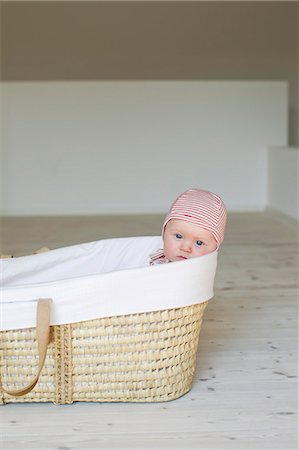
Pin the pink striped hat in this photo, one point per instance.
(202, 208)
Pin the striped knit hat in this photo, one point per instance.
(202, 208)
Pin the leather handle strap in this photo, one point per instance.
(43, 316)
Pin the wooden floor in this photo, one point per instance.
(244, 394)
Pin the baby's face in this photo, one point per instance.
(184, 240)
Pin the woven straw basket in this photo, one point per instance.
(144, 357)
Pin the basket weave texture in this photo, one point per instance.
(147, 357)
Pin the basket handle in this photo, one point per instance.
(43, 338)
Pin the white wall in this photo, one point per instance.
(125, 147)
(283, 183)
(1, 154)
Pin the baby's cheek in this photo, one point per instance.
(169, 251)
(201, 251)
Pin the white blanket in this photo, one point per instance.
(100, 279)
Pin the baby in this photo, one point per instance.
(193, 227)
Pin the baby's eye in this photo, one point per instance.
(178, 236)
(199, 243)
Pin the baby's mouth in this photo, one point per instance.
(182, 257)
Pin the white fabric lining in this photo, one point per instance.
(100, 279)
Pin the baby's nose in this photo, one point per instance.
(186, 247)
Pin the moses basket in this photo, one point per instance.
(94, 322)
